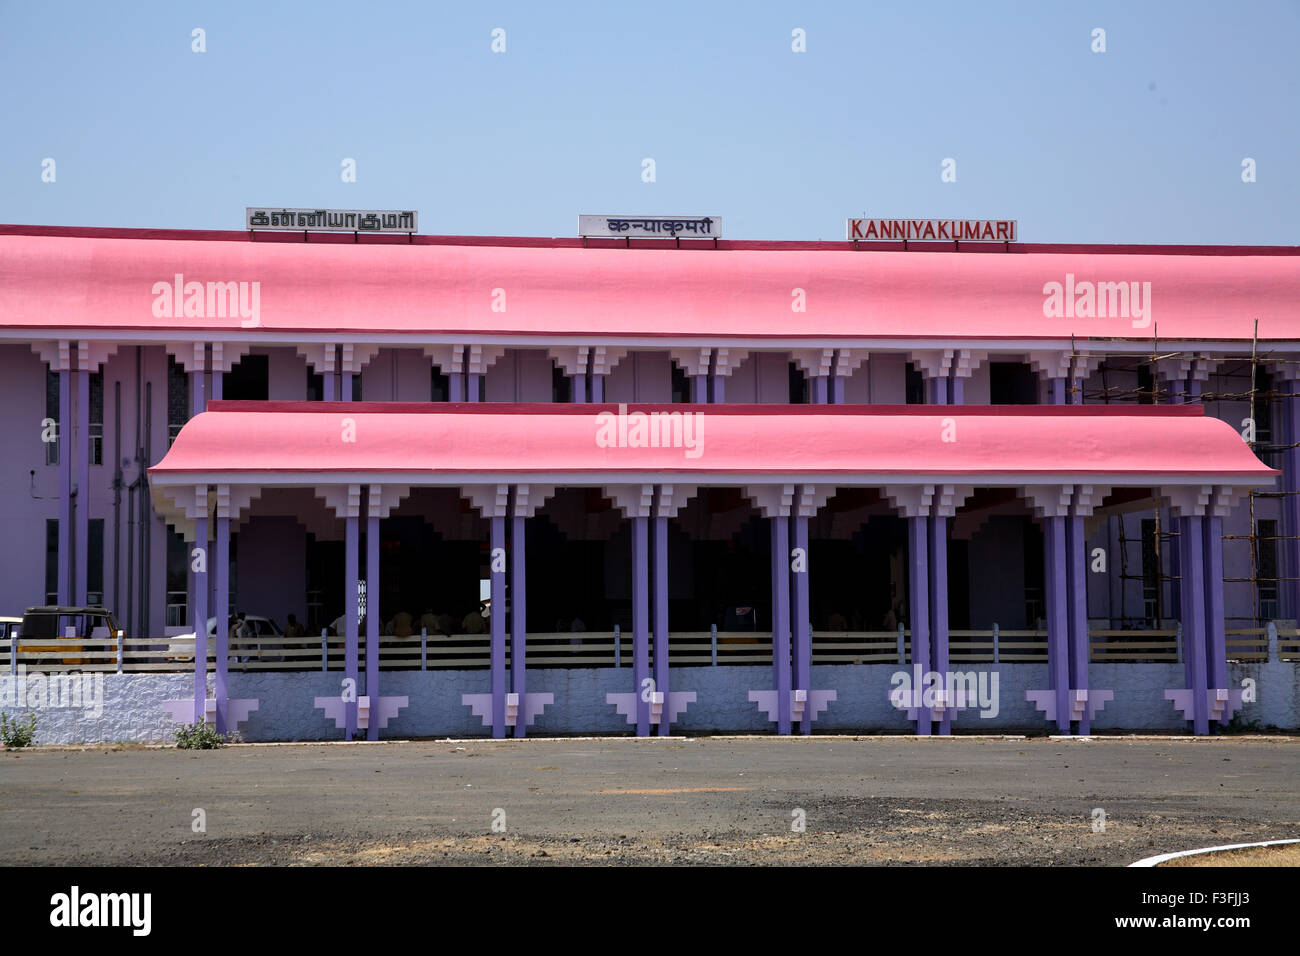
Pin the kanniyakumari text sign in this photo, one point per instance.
(332, 220)
(651, 227)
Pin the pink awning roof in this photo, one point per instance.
(853, 444)
(540, 288)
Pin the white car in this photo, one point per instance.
(266, 637)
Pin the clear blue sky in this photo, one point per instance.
(1142, 143)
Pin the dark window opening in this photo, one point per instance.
(51, 560)
(315, 386)
(1263, 406)
(1150, 573)
(52, 413)
(97, 418)
(1035, 574)
(439, 386)
(561, 386)
(1012, 383)
(248, 381)
(178, 398)
(1266, 545)
(681, 385)
(178, 579)
(914, 386)
(95, 562)
(356, 387)
(798, 385)
(1146, 385)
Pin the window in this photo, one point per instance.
(356, 387)
(798, 386)
(1146, 385)
(439, 385)
(248, 380)
(1263, 407)
(315, 386)
(1150, 573)
(95, 562)
(51, 560)
(681, 385)
(52, 412)
(97, 418)
(914, 385)
(1012, 383)
(178, 399)
(178, 579)
(1266, 549)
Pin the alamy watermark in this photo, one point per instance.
(37, 691)
(1098, 300)
(955, 689)
(211, 300)
(651, 430)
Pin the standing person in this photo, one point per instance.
(292, 628)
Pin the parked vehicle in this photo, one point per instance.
(265, 638)
(44, 631)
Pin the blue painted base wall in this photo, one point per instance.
(130, 708)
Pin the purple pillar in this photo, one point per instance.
(65, 486)
(641, 621)
(781, 619)
(82, 592)
(221, 611)
(1193, 605)
(1056, 390)
(958, 388)
(373, 590)
(938, 590)
(200, 615)
(347, 387)
(699, 389)
(719, 389)
(518, 620)
(472, 388)
(578, 388)
(817, 389)
(455, 387)
(1080, 650)
(938, 391)
(327, 386)
(837, 390)
(918, 589)
(597, 388)
(1055, 577)
(218, 384)
(659, 582)
(1291, 498)
(497, 620)
(800, 613)
(351, 651)
(1216, 649)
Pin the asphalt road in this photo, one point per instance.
(866, 800)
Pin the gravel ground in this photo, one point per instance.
(621, 801)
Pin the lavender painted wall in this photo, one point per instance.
(272, 568)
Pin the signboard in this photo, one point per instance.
(332, 220)
(933, 230)
(651, 227)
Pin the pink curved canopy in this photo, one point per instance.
(417, 439)
(536, 288)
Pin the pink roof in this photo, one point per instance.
(428, 440)
(60, 280)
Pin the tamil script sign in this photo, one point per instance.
(934, 230)
(332, 220)
(654, 227)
